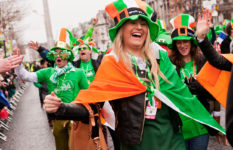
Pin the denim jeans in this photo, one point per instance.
(198, 143)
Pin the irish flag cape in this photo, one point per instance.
(216, 81)
(114, 81)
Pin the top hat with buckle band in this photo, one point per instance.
(122, 10)
(64, 42)
(183, 25)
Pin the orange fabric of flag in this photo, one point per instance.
(113, 81)
(216, 81)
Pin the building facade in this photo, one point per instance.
(167, 9)
(100, 34)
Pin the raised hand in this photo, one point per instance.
(33, 45)
(203, 24)
(94, 21)
(10, 63)
(222, 139)
(52, 103)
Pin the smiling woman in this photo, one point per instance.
(134, 35)
(141, 84)
(189, 61)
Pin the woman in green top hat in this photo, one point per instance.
(141, 84)
(189, 61)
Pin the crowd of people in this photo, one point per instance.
(151, 90)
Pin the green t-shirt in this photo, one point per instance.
(68, 85)
(190, 127)
(188, 70)
(88, 70)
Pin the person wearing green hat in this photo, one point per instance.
(141, 84)
(225, 45)
(86, 52)
(64, 81)
(164, 38)
(217, 43)
(189, 61)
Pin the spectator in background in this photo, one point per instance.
(225, 46)
(43, 89)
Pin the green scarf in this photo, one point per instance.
(59, 71)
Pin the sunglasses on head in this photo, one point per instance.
(65, 55)
(83, 48)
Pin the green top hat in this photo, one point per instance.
(164, 38)
(87, 40)
(183, 25)
(123, 10)
(65, 42)
(218, 29)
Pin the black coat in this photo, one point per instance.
(229, 111)
(225, 46)
(222, 63)
(94, 64)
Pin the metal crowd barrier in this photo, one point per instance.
(14, 100)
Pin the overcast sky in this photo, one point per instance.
(63, 13)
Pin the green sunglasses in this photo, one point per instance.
(83, 48)
(65, 55)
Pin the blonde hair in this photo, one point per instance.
(147, 53)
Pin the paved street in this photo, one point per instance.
(29, 129)
(213, 145)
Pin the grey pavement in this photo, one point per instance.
(29, 129)
(213, 144)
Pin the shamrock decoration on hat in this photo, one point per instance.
(183, 25)
(65, 42)
(123, 10)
